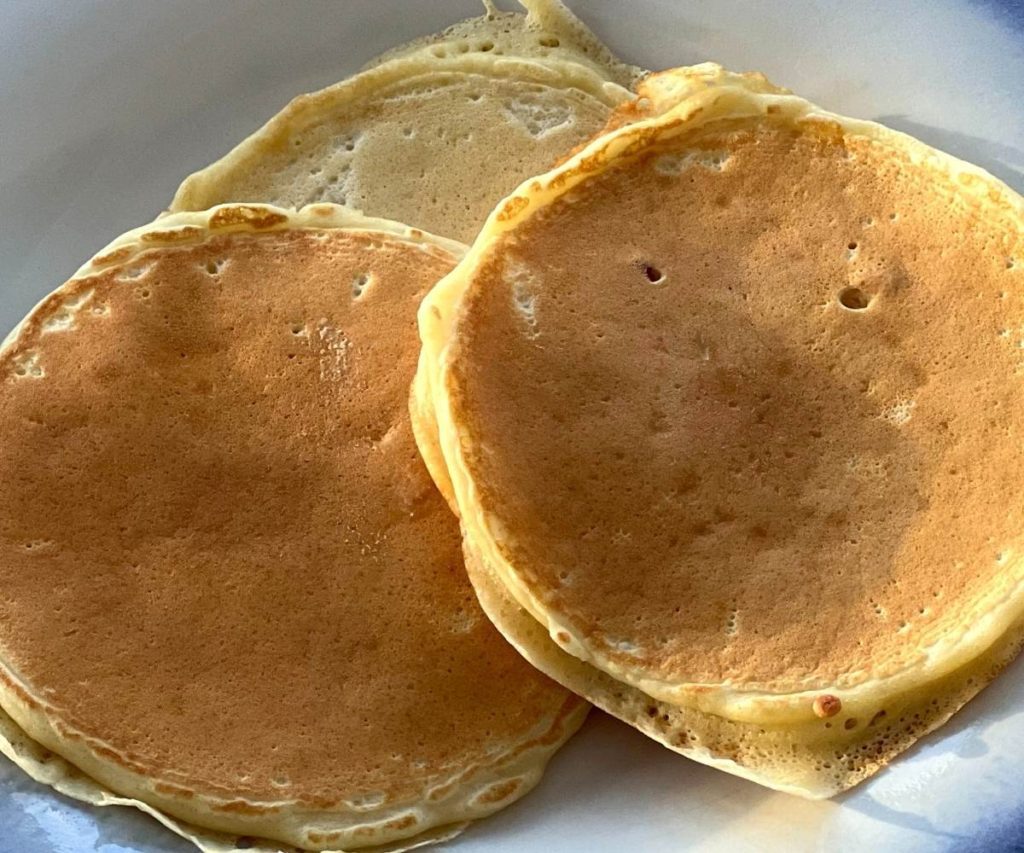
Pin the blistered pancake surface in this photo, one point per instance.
(225, 571)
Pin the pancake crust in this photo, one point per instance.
(432, 140)
(749, 447)
(229, 589)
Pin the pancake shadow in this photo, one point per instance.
(1004, 161)
(694, 472)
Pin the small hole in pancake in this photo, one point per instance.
(652, 711)
(145, 293)
(653, 274)
(298, 329)
(213, 267)
(486, 46)
(548, 41)
(853, 298)
(244, 842)
(297, 141)
(851, 723)
(359, 285)
(852, 246)
(893, 217)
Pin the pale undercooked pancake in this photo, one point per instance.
(434, 136)
(730, 406)
(230, 592)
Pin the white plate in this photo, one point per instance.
(105, 106)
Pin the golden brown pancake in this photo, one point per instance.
(729, 406)
(229, 589)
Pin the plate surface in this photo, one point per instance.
(107, 104)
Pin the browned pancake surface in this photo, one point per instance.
(220, 554)
(752, 415)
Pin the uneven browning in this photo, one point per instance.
(727, 402)
(230, 591)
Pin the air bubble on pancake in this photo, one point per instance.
(134, 272)
(653, 274)
(26, 366)
(214, 266)
(360, 283)
(58, 322)
(348, 143)
(898, 412)
(625, 646)
(499, 792)
(675, 164)
(854, 299)
(537, 117)
(524, 300)
(464, 620)
(332, 352)
(64, 319)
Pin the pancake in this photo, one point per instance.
(433, 137)
(728, 402)
(230, 592)
(548, 30)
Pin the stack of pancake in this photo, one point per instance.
(714, 426)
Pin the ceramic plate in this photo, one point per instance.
(106, 104)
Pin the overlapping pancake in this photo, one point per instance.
(729, 404)
(436, 135)
(230, 592)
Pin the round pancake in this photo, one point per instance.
(728, 404)
(229, 590)
(431, 140)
